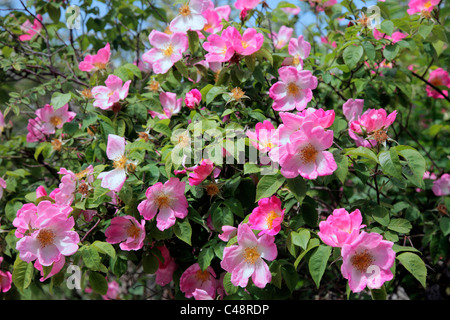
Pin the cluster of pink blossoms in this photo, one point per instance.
(47, 122)
(367, 258)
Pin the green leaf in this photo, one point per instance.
(380, 215)
(391, 51)
(313, 243)
(98, 282)
(205, 257)
(235, 207)
(228, 286)
(301, 238)
(262, 54)
(298, 188)
(309, 212)
(70, 128)
(415, 266)
(400, 225)
(133, 69)
(342, 165)
(352, 54)
(416, 165)
(91, 258)
(362, 152)
(60, 99)
(105, 248)
(213, 93)
(390, 163)
(369, 49)
(22, 274)
(183, 231)
(290, 276)
(193, 41)
(318, 263)
(444, 224)
(250, 62)
(162, 128)
(387, 27)
(268, 185)
(379, 294)
(150, 263)
(181, 67)
(424, 30)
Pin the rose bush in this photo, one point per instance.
(234, 150)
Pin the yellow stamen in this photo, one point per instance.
(362, 260)
(100, 65)
(120, 163)
(133, 231)
(237, 93)
(270, 217)
(45, 237)
(168, 51)
(251, 255)
(162, 201)
(185, 10)
(56, 121)
(292, 89)
(308, 154)
(202, 275)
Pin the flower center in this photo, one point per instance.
(99, 65)
(308, 154)
(237, 93)
(56, 144)
(185, 10)
(168, 51)
(212, 189)
(183, 141)
(83, 189)
(296, 60)
(162, 201)
(245, 45)
(87, 93)
(133, 231)
(207, 27)
(154, 86)
(120, 163)
(251, 255)
(380, 135)
(428, 5)
(270, 217)
(45, 237)
(269, 145)
(56, 121)
(362, 260)
(292, 89)
(202, 275)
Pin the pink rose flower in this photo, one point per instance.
(246, 4)
(438, 77)
(193, 99)
(196, 278)
(293, 11)
(352, 109)
(340, 227)
(375, 123)
(190, 16)
(267, 216)
(366, 261)
(115, 151)
(299, 49)
(305, 154)
(213, 22)
(200, 294)
(201, 172)
(164, 274)
(220, 48)
(441, 186)
(5, 279)
(106, 96)
(167, 50)
(2, 186)
(245, 259)
(228, 232)
(56, 268)
(250, 42)
(113, 291)
(265, 136)
(31, 29)
(51, 119)
(97, 61)
(35, 128)
(127, 231)
(170, 104)
(51, 236)
(419, 6)
(281, 38)
(167, 201)
(294, 90)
